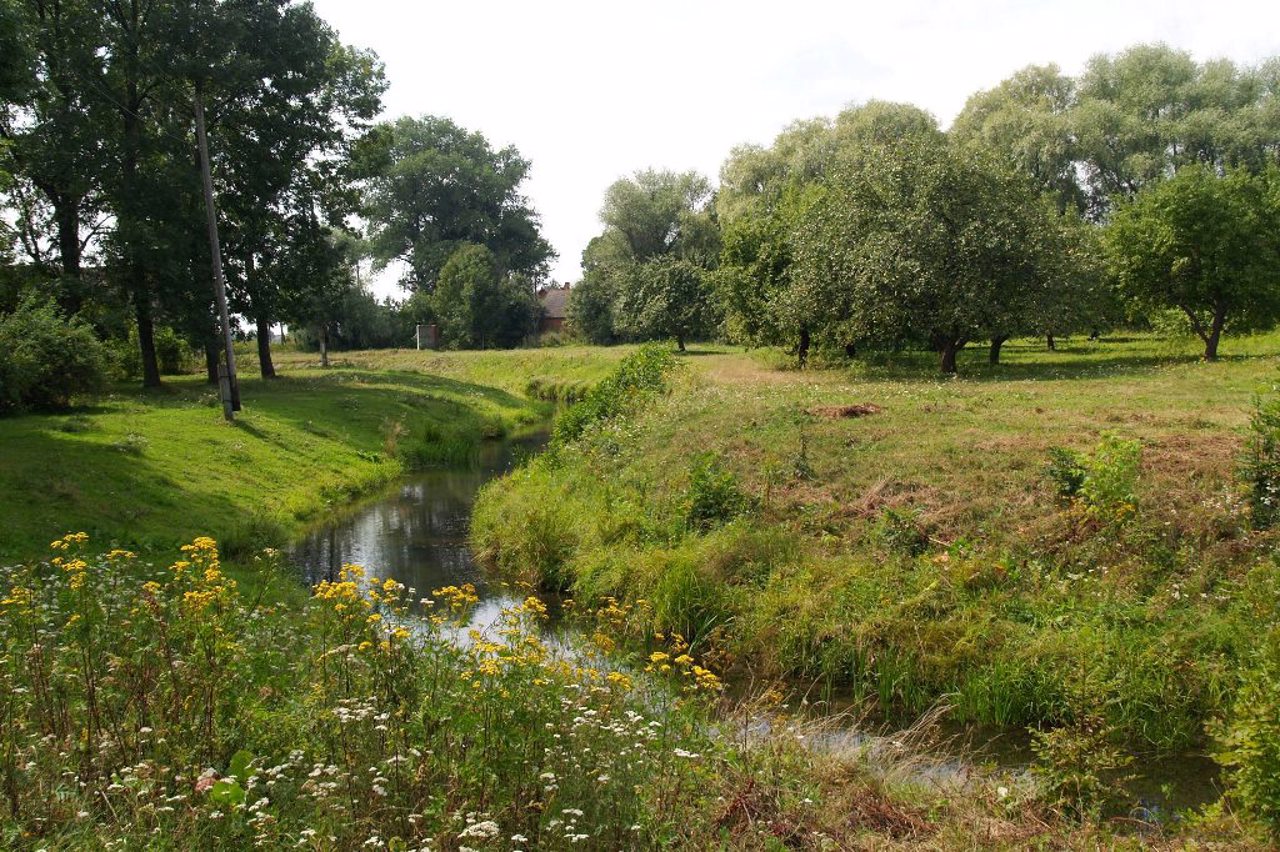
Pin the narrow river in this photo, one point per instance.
(416, 533)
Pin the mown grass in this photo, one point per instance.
(921, 553)
(148, 470)
(553, 374)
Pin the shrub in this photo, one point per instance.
(1105, 481)
(713, 497)
(1066, 470)
(46, 358)
(1260, 467)
(1250, 741)
(900, 532)
(1111, 476)
(639, 376)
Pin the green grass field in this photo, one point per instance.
(917, 554)
(920, 554)
(153, 469)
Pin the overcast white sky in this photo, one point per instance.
(593, 91)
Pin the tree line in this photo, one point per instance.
(1053, 205)
(101, 211)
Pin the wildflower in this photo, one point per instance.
(482, 830)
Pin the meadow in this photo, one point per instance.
(862, 529)
(880, 533)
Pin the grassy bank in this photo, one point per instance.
(154, 706)
(873, 527)
(148, 470)
(554, 374)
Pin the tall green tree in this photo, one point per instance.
(921, 241)
(660, 238)
(478, 305)
(1205, 244)
(1152, 109)
(431, 187)
(1028, 121)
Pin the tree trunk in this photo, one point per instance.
(996, 343)
(324, 346)
(71, 293)
(850, 350)
(265, 366)
(802, 350)
(1048, 339)
(949, 350)
(211, 362)
(680, 342)
(1215, 333)
(146, 340)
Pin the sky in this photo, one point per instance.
(594, 91)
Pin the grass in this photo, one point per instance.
(149, 470)
(920, 553)
(157, 707)
(553, 374)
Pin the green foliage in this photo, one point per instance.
(1110, 486)
(1080, 766)
(432, 187)
(924, 241)
(1066, 469)
(1249, 741)
(47, 359)
(639, 377)
(1204, 244)
(1260, 465)
(1105, 481)
(478, 306)
(665, 297)
(713, 497)
(899, 531)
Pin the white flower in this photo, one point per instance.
(1002, 792)
(484, 830)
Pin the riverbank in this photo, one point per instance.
(149, 470)
(903, 541)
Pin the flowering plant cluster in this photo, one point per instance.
(151, 705)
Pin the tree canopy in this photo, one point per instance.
(431, 187)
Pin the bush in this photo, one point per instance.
(1251, 740)
(639, 376)
(46, 358)
(1260, 467)
(1105, 481)
(714, 497)
(1066, 470)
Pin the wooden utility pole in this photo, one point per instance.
(227, 382)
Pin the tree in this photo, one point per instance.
(665, 296)
(659, 213)
(1205, 244)
(55, 138)
(920, 241)
(660, 238)
(431, 187)
(478, 305)
(591, 301)
(1028, 121)
(1151, 109)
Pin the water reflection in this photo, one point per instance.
(417, 534)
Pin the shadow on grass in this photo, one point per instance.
(1066, 362)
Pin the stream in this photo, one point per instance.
(416, 533)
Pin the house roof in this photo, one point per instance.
(554, 300)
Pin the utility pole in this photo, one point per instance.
(228, 385)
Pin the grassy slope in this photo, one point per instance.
(154, 469)
(1018, 612)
